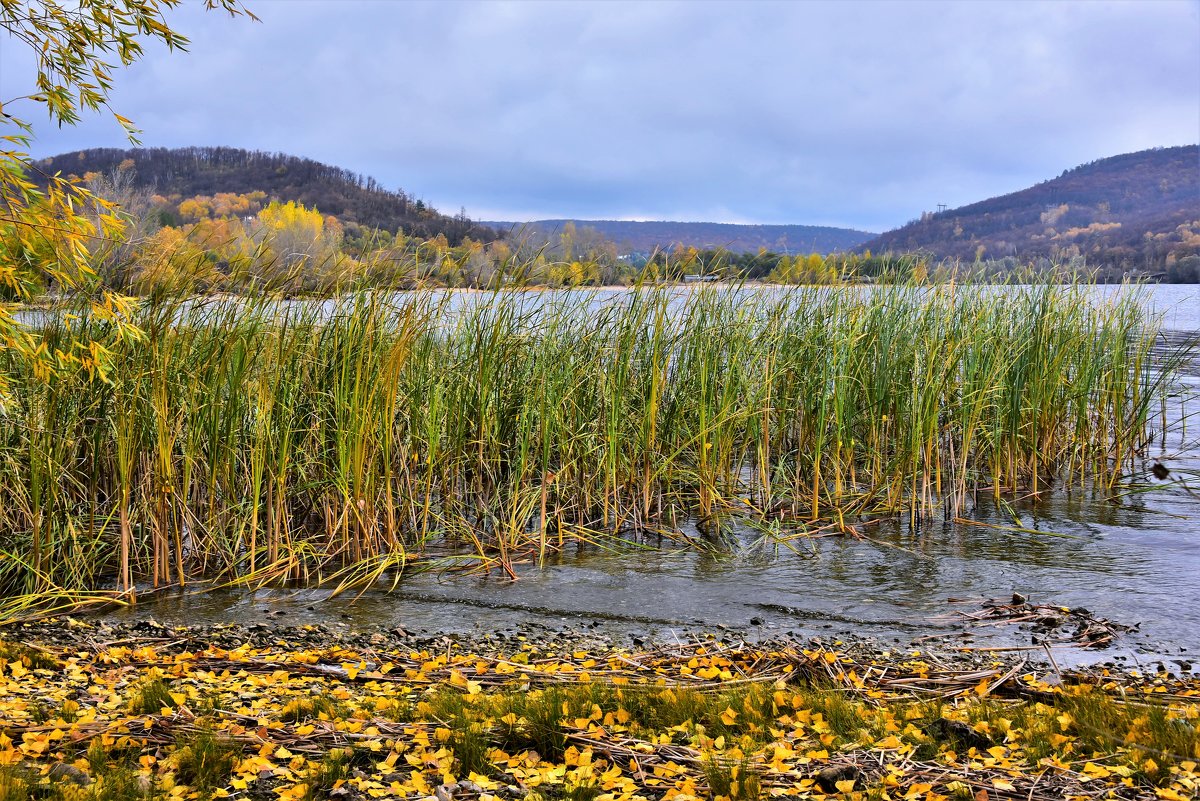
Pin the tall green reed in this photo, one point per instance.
(349, 440)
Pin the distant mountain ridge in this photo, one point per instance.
(644, 237)
(352, 198)
(1137, 210)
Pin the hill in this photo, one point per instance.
(1138, 211)
(192, 171)
(646, 237)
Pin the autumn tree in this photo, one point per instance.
(113, 258)
(299, 249)
(47, 225)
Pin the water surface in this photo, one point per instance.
(1135, 561)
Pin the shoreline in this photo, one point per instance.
(49, 302)
(266, 712)
(97, 631)
(70, 632)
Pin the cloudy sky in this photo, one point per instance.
(856, 114)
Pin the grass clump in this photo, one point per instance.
(26, 656)
(15, 784)
(117, 782)
(123, 784)
(313, 708)
(151, 697)
(328, 774)
(1101, 724)
(205, 761)
(736, 781)
(465, 728)
(103, 756)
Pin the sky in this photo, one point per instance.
(855, 114)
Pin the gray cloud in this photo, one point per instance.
(855, 113)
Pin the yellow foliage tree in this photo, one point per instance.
(299, 249)
(196, 208)
(194, 258)
(45, 225)
(156, 261)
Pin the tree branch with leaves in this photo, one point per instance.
(48, 221)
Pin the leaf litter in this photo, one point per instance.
(290, 714)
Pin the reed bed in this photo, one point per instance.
(347, 441)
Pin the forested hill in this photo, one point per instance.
(645, 237)
(199, 171)
(1139, 211)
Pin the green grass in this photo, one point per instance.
(205, 761)
(111, 776)
(28, 657)
(348, 442)
(1102, 725)
(151, 697)
(736, 781)
(335, 767)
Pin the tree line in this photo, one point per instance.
(208, 171)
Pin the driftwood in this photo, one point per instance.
(1047, 624)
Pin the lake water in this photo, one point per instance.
(1135, 563)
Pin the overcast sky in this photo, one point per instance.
(856, 114)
